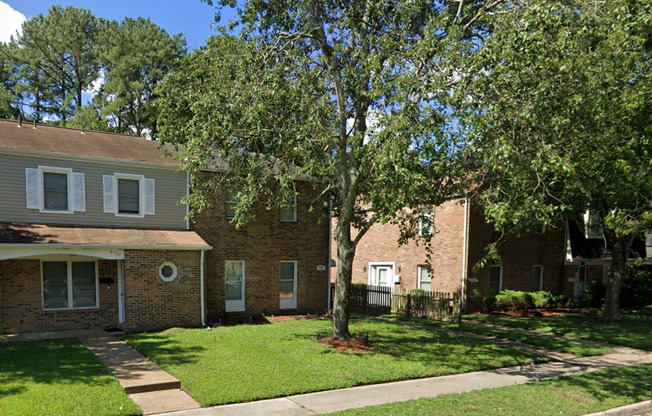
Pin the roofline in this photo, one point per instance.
(31, 123)
(108, 246)
(11, 150)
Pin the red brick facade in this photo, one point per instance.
(449, 264)
(262, 245)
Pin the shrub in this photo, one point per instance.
(515, 300)
(488, 303)
(637, 286)
(593, 296)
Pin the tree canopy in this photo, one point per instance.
(350, 95)
(556, 106)
(46, 70)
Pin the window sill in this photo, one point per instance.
(70, 309)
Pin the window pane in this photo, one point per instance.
(425, 286)
(287, 271)
(55, 191)
(494, 280)
(287, 214)
(128, 196)
(424, 278)
(55, 284)
(287, 289)
(84, 289)
(230, 201)
(382, 277)
(234, 280)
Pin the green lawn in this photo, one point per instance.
(249, 362)
(568, 396)
(58, 378)
(572, 347)
(629, 333)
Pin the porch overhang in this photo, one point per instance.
(29, 240)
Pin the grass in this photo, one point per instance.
(58, 378)
(629, 333)
(571, 347)
(575, 395)
(249, 362)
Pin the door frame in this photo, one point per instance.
(121, 292)
(374, 265)
(235, 305)
(285, 303)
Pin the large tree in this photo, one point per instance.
(58, 59)
(136, 54)
(557, 109)
(349, 95)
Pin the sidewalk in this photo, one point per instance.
(364, 396)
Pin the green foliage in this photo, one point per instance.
(593, 296)
(637, 286)
(555, 106)
(515, 300)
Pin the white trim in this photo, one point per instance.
(236, 305)
(69, 260)
(42, 170)
(294, 209)
(372, 264)
(7, 253)
(465, 251)
(285, 303)
(202, 296)
(141, 194)
(419, 281)
(121, 292)
(175, 271)
(87, 158)
(540, 276)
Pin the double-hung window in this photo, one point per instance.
(289, 211)
(424, 277)
(536, 284)
(53, 189)
(230, 202)
(127, 194)
(69, 284)
(426, 222)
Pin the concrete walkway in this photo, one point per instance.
(151, 388)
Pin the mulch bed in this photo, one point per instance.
(352, 345)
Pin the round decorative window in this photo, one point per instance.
(167, 271)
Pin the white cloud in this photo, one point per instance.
(10, 22)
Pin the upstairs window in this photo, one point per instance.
(289, 211)
(426, 221)
(130, 195)
(52, 189)
(230, 202)
(593, 224)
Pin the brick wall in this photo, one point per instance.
(262, 244)
(518, 256)
(21, 301)
(150, 302)
(380, 244)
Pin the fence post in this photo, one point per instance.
(365, 297)
(409, 305)
(458, 308)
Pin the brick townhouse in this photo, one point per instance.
(92, 235)
(560, 259)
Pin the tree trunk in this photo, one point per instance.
(620, 247)
(344, 270)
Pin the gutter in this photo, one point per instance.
(330, 248)
(107, 246)
(201, 292)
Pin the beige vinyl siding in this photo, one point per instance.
(170, 188)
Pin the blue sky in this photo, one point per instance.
(190, 17)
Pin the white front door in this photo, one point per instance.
(381, 275)
(288, 294)
(235, 285)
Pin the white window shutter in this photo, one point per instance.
(32, 189)
(109, 193)
(78, 192)
(150, 196)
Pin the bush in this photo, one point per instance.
(594, 292)
(488, 303)
(637, 286)
(515, 300)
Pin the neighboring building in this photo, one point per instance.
(561, 260)
(92, 235)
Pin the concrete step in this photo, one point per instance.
(164, 401)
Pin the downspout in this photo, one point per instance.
(330, 247)
(465, 252)
(201, 290)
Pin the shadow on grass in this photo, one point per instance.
(633, 382)
(60, 362)
(163, 349)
